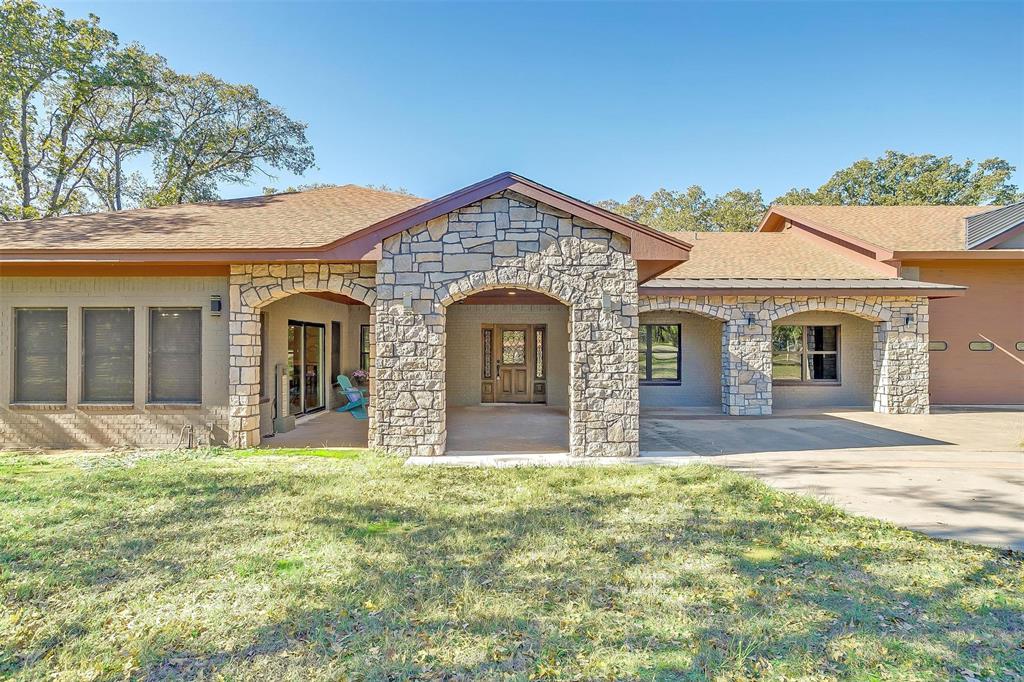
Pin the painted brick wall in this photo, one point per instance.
(701, 343)
(75, 425)
(856, 356)
(464, 357)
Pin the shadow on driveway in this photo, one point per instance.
(663, 431)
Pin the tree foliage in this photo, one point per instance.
(898, 179)
(214, 132)
(693, 210)
(893, 179)
(76, 110)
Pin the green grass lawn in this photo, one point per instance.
(219, 565)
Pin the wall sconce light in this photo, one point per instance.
(909, 320)
(407, 301)
(750, 320)
(215, 305)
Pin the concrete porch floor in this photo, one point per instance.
(488, 429)
(327, 429)
(483, 429)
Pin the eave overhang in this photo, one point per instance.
(799, 287)
(655, 252)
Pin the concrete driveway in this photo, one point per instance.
(951, 474)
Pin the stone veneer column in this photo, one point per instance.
(507, 240)
(901, 359)
(747, 367)
(254, 286)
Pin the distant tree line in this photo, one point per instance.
(80, 114)
(893, 179)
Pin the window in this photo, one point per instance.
(41, 352)
(937, 345)
(108, 355)
(538, 360)
(805, 353)
(981, 345)
(486, 343)
(335, 352)
(175, 355)
(1020, 345)
(660, 353)
(364, 347)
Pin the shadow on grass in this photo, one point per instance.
(619, 573)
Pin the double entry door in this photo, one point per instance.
(306, 381)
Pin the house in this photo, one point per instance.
(223, 321)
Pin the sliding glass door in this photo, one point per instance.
(306, 386)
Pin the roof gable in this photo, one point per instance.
(645, 243)
(883, 228)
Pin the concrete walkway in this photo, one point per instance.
(953, 474)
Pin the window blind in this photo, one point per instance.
(175, 355)
(41, 347)
(108, 355)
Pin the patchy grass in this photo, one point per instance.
(208, 565)
(350, 453)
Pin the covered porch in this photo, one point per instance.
(478, 429)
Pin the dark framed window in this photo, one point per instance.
(175, 355)
(486, 346)
(805, 354)
(937, 345)
(1019, 345)
(539, 370)
(41, 355)
(660, 354)
(364, 347)
(108, 355)
(335, 352)
(981, 346)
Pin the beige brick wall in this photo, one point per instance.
(701, 343)
(75, 425)
(464, 354)
(855, 358)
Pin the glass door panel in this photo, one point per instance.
(305, 367)
(313, 394)
(294, 368)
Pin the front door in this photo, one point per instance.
(514, 364)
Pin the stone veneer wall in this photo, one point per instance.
(900, 348)
(506, 240)
(254, 286)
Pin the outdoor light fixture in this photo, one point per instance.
(750, 320)
(909, 320)
(215, 305)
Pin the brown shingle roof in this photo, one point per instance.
(764, 255)
(896, 228)
(294, 220)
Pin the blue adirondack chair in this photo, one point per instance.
(357, 398)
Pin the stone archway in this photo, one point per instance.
(254, 286)
(507, 240)
(731, 374)
(899, 344)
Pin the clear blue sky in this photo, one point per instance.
(606, 100)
